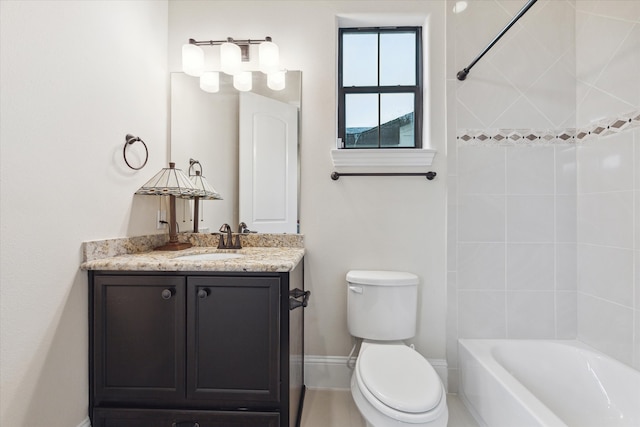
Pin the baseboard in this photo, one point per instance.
(326, 372)
(85, 423)
(332, 373)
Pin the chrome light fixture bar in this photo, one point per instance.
(232, 54)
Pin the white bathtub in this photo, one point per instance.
(520, 383)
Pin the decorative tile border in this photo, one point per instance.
(516, 137)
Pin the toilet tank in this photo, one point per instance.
(382, 305)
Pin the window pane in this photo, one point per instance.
(359, 59)
(397, 128)
(361, 120)
(397, 59)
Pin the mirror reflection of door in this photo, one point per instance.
(268, 155)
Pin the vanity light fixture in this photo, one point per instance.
(205, 191)
(232, 54)
(174, 183)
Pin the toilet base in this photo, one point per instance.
(374, 418)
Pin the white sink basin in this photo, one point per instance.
(208, 257)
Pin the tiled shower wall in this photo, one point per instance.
(524, 240)
(608, 208)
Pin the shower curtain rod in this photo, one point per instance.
(465, 71)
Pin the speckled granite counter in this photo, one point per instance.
(281, 253)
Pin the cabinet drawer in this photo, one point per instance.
(112, 417)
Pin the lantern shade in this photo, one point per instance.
(204, 190)
(268, 56)
(210, 81)
(174, 183)
(192, 60)
(230, 58)
(243, 81)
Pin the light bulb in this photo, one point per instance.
(192, 60)
(243, 81)
(268, 57)
(276, 80)
(210, 81)
(459, 6)
(230, 58)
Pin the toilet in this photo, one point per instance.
(392, 384)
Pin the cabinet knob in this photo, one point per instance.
(167, 293)
(203, 293)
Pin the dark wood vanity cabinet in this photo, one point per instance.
(195, 349)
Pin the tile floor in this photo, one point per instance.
(335, 408)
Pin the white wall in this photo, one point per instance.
(75, 77)
(354, 223)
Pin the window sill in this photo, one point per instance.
(397, 159)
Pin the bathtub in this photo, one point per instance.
(520, 383)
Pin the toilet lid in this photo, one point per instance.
(400, 377)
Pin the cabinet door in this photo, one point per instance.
(107, 417)
(233, 340)
(138, 353)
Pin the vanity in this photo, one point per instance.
(197, 338)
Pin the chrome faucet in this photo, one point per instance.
(229, 243)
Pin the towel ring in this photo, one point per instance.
(130, 139)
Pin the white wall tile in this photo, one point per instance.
(606, 164)
(636, 340)
(606, 326)
(530, 315)
(481, 314)
(606, 272)
(486, 95)
(606, 219)
(530, 266)
(617, 77)
(566, 170)
(481, 218)
(637, 279)
(628, 10)
(593, 51)
(452, 320)
(566, 315)
(530, 219)
(566, 212)
(636, 149)
(481, 266)
(515, 60)
(530, 170)
(559, 80)
(566, 267)
(481, 170)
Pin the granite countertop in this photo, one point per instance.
(253, 259)
(129, 255)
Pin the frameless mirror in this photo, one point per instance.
(206, 127)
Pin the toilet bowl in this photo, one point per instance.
(393, 385)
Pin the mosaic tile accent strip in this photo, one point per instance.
(524, 137)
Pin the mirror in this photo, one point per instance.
(205, 127)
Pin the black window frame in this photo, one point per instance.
(417, 89)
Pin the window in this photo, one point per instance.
(380, 87)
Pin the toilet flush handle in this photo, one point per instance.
(356, 289)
